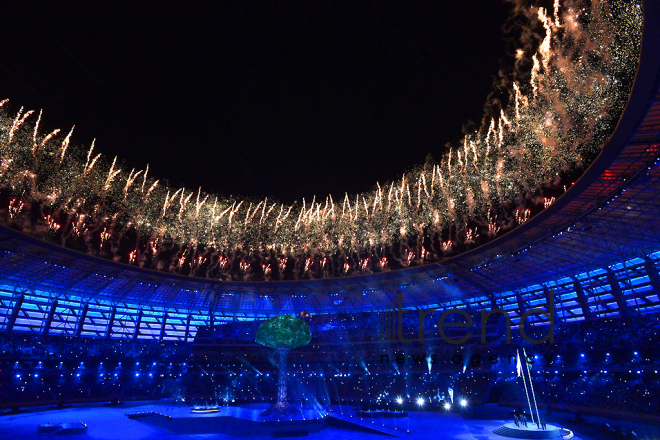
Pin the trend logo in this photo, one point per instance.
(392, 322)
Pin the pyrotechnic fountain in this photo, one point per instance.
(569, 85)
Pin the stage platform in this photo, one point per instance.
(383, 414)
(111, 423)
(62, 429)
(530, 432)
(237, 421)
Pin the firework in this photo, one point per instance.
(382, 262)
(15, 207)
(105, 236)
(564, 101)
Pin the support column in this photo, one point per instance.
(582, 300)
(14, 313)
(111, 321)
(81, 320)
(652, 272)
(521, 304)
(549, 294)
(212, 305)
(185, 339)
(49, 318)
(501, 320)
(624, 309)
(136, 331)
(162, 328)
(521, 310)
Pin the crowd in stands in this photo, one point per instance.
(26, 346)
(608, 364)
(635, 331)
(625, 392)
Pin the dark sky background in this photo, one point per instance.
(283, 99)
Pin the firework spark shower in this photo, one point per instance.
(573, 71)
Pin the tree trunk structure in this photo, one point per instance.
(282, 410)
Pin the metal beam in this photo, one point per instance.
(652, 272)
(162, 328)
(81, 320)
(521, 304)
(185, 339)
(49, 318)
(624, 309)
(111, 321)
(582, 300)
(14, 313)
(549, 294)
(136, 330)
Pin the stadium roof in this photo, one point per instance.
(607, 220)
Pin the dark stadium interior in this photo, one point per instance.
(548, 326)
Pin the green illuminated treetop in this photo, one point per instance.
(284, 332)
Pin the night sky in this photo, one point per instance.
(277, 99)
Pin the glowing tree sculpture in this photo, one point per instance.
(283, 333)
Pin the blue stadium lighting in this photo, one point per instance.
(447, 406)
(463, 403)
(137, 374)
(420, 401)
(399, 400)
